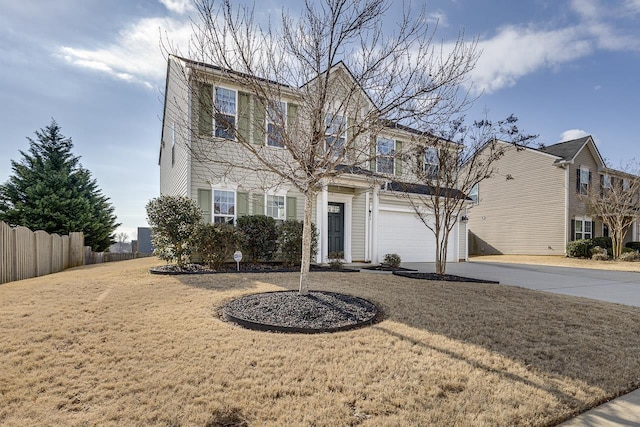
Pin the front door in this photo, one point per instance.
(335, 231)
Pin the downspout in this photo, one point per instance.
(367, 216)
(566, 209)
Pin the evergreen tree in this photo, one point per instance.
(51, 191)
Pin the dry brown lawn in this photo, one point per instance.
(113, 345)
(560, 261)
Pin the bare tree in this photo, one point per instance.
(122, 238)
(448, 173)
(616, 201)
(343, 76)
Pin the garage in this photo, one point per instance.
(402, 233)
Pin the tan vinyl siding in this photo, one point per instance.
(576, 206)
(358, 228)
(523, 215)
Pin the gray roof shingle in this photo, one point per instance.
(566, 150)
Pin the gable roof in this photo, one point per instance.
(568, 150)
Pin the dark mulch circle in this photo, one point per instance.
(383, 267)
(173, 269)
(288, 311)
(445, 277)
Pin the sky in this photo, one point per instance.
(564, 68)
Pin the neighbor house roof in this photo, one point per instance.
(567, 150)
(405, 187)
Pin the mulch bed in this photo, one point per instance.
(445, 277)
(275, 267)
(383, 267)
(291, 312)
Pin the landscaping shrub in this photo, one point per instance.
(336, 264)
(258, 237)
(215, 243)
(290, 240)
(580, 248)
(633, 245)
(599, 254)
(603, 242)
(630, 256)
(173, 221)
(392, 260)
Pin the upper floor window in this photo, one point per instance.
(431, 163)
(224, 206)
(276, 120)
(626, 185)
(335, 133)
(225, 113)
(474, 192)
(606, 182)
(275, 206)
(584, 176)
(385, 153)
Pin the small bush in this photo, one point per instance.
(336, 264)
(630, 256)
(392, 260)
(580, 248)
(633, 245)
(290, 240)
(625, 250)
(335, 255)
(215, 243)
(258, 237)
(603, 242)
(173, 221)
(599, 254)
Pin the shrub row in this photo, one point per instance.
(582, 248)
(259, 238)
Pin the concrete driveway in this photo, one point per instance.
(612, 286)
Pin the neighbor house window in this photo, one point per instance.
(225, 113)
(431, 166)
(583, 180)
(276, 121)
(385, 160)
(583, 228)
(335, 133)
(626, 185)
(274, 206)
(606, 182)
(224, 206)
(473, 193)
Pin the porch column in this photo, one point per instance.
(324, 224)
(374, 224)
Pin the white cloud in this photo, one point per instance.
(517, 51)
(571, 134)
(136, 55)
(178, 6)
(438, 17)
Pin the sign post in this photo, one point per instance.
(237, 256)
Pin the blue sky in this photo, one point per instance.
(565, 68)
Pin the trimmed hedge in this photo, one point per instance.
(580, 248)
(258, 237)
(633, 245)
(215, 243)
(290, 240)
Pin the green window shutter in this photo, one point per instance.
(373, 153)
(204, 201)
(243, 116)
(205, 109)
(292, 207)
(292, 117)
(259, 125)
(573, 230)
(258, 204)
(242, 207)
(398, 158)
(351, 144)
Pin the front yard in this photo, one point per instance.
(112, 345)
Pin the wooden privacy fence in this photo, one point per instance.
(91, 257)
(25, 253)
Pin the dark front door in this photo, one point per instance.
(336, 227)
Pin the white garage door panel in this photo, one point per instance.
(404, 234)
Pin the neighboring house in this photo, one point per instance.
(532, 204)
(357, 213)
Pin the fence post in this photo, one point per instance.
(76, 249)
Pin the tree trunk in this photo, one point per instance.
(306, 244)
(441, 254)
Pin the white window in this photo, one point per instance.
(276, 121)
(583, 228)
(431, 163)
(224, 206)
(335, 133)
(606, 181)
(225, 113)
(583, 182)
(474, 192)
(626, 185)
(275, 206)
(386, 150)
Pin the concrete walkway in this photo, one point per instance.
(611, 286)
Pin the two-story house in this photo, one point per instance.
(357, 212)
(532, 204)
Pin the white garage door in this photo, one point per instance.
(404, 234)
